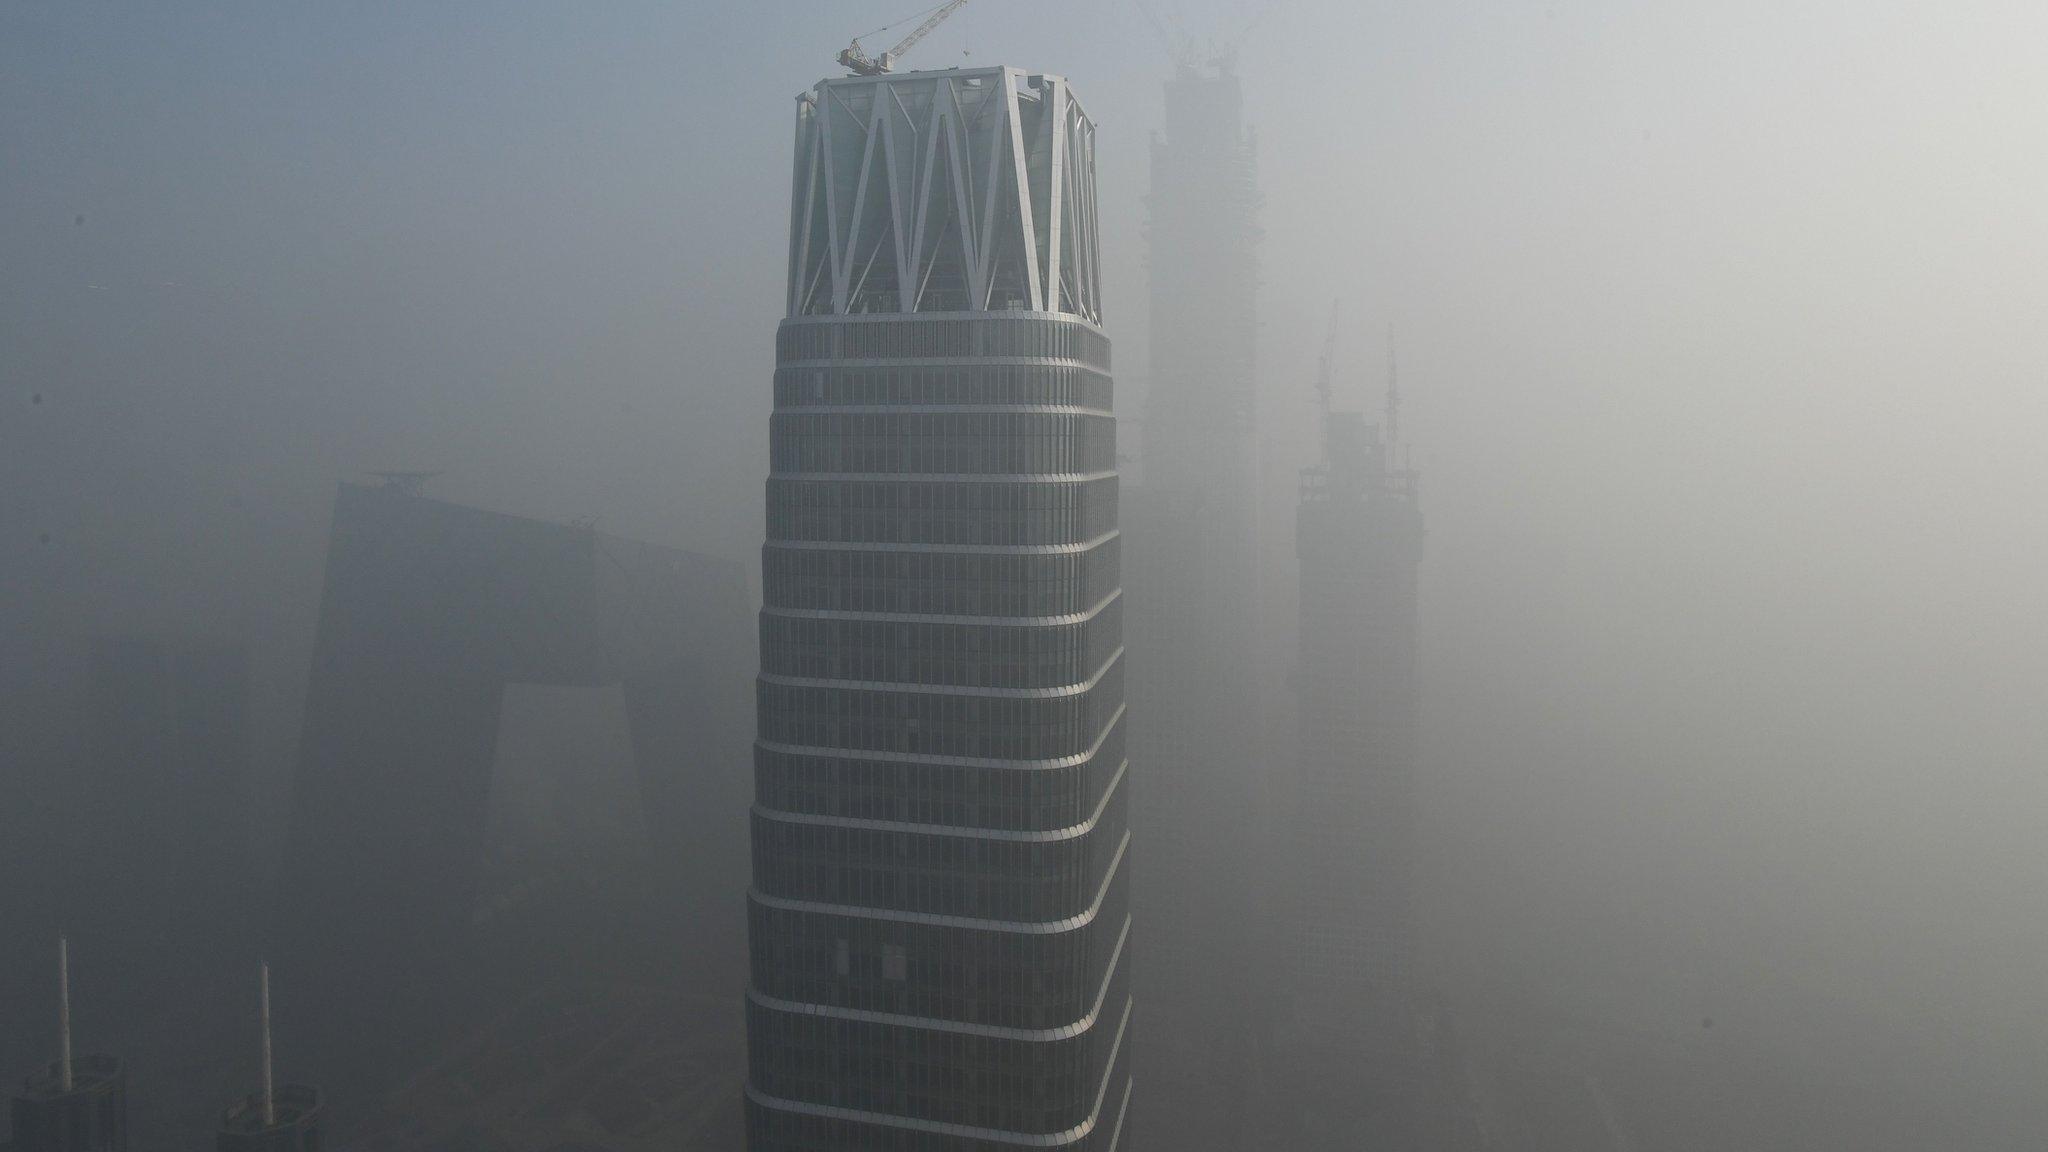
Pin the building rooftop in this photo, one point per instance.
(89, 1074)
(291, 1104)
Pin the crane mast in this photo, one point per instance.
(856, 60)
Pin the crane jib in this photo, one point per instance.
(856, 60)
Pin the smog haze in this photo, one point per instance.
(1721, 362)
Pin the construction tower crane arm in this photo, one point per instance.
(857, 61)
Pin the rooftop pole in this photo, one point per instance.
(1393, 395)
(63, 1013)
(269, 1099)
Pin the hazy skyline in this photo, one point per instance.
(1719, 329)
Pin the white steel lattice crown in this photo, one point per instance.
(966, 190)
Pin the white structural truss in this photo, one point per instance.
(967, 190)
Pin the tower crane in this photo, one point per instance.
(857, 60)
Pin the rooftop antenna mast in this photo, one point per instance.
(856, 59)
(269, 1093)
(1323, 366)
(63, 1013)
(1393, 393)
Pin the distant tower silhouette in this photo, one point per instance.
(76, 1103)
(1355, 1019)
(1192, 569)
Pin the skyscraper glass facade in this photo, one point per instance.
(938, 918)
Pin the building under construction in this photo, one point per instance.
(1193, 576)
(1357, 1072)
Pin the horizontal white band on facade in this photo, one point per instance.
(793, 409)
(938, 1024)
(1068, 761)
(951, 477)
(932, 919)
(947, 358)
(975, 549)
(815, 318)
(916, 688)
(967, 1131)
(937, 618)
(955, 359)
(963, 831)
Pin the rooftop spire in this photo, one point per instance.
(63, 1013)
(1393, 396)
(1323, 366)
(269, 1095)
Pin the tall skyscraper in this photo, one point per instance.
(1358, 1064)
(938, 917)
(1195, 639)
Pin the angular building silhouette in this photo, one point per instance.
(430, 611)
(1356, 1035)
(1193, 574)
(938, 918)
